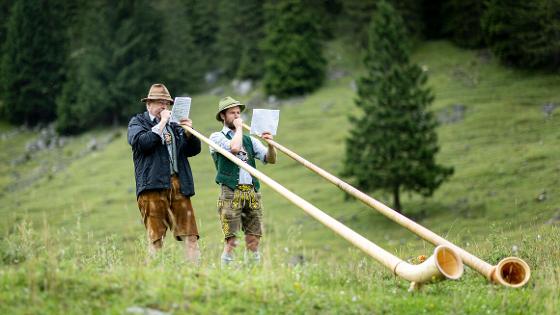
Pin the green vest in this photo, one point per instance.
(228, 172)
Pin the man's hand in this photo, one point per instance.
(238, 123)
(165, 114)
(188, 123)
(267, 136)
(271, 153)
(185, 122)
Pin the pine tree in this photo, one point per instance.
(294, 63)
(393, 143)
(181, 70)
(5, 7)
(32, 61)
(241, 27)
(359, 13)
(524, 33)
(230, 36)
(462, 22)
(203, 17)
(83, 101)
(113, 66)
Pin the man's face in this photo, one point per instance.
(156, 106)
(229, 115)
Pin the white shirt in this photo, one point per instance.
(156, 129)
(221, 140)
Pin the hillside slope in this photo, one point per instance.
(70, 213)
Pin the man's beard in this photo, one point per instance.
(230, 125)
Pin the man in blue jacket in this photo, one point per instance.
(164, 182)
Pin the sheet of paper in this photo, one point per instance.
(265, 120)
(181, 109)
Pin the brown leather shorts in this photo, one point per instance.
(167, 208)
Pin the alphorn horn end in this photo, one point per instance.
(512, 272)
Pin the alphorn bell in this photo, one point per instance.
(444, 263)
(511, 272)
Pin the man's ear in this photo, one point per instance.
(223, 116)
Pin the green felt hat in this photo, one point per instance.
(228, 102)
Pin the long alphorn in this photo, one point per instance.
(444, 263)
(511, 271)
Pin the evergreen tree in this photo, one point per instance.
(359, 13)
(83, 100)
(432, 15)
(203, 17)
(393, 143)
(181, 70)
(114, 66)
(32, 61)
(241, 28)
(5, 7)
(462, 22)
(294, 63)
(524, 33)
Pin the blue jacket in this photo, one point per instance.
(151, 158)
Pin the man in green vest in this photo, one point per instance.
(239, 204)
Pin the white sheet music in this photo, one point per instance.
(265, 120)
(181, 109)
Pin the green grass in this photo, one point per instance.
(71, 240)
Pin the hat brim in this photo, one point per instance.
(241, 108)
(145, 99)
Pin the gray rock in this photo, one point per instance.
(326, 107)
(218, 91)
(353, 86)
(467, 77)
(212, 76)
(242, 87)
(257, 101)
(144, 311)
(335, 74)
(41, 144)
(92, 145)
(22, 159)
(555, 218)
(542, 196)
(548, 109)
(484, 56)
(273, 100)
(452, 114)
(296, 260)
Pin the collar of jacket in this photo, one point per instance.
(147, 119)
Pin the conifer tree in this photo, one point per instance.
(462, 22)
(203, 17)
(393, 142)
(115, 65)
(241, 27)
(180, 69)
(524, 33)
(294, 63)
(359, 13)
(230, 36)
(251, 62)
(5, 7)
(32, 61)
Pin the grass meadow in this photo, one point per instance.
(71, 239)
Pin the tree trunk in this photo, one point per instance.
(397, 201)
